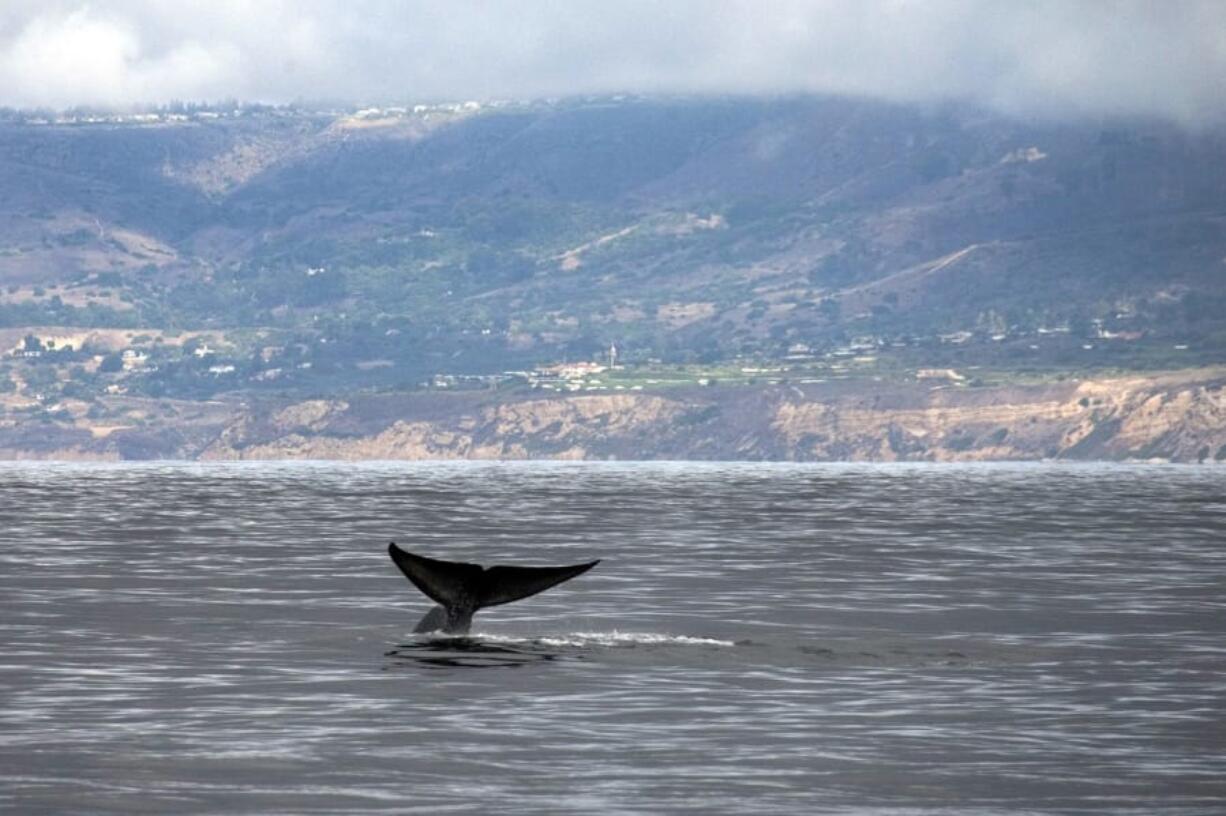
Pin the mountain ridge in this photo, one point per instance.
(255, 253)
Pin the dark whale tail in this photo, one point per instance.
(461, 589)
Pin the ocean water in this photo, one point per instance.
(758, 638)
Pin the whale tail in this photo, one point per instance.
(461, 589)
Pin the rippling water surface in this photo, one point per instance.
(776, 639)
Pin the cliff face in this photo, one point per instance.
(1179, 417)
(1116, 419)
(560, 428)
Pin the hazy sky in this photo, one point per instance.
(1047, 57)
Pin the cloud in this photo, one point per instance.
(1045, 57)
(80, 58)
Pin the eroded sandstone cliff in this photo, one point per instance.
(1179, 417)
(1175, 417)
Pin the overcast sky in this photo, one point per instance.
(1046, 57)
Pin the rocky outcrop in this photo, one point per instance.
(541, 428)
(1171, 418)
(1178, 417)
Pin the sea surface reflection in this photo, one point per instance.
(777, 638)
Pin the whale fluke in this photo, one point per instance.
(461, 589)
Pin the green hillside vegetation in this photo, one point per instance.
(817, 237)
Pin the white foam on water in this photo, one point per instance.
(614, 638)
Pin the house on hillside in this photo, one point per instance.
(938, 374)
(570, 371)
(134, 359)
(799, 352)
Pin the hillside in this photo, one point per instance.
(229, 257)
